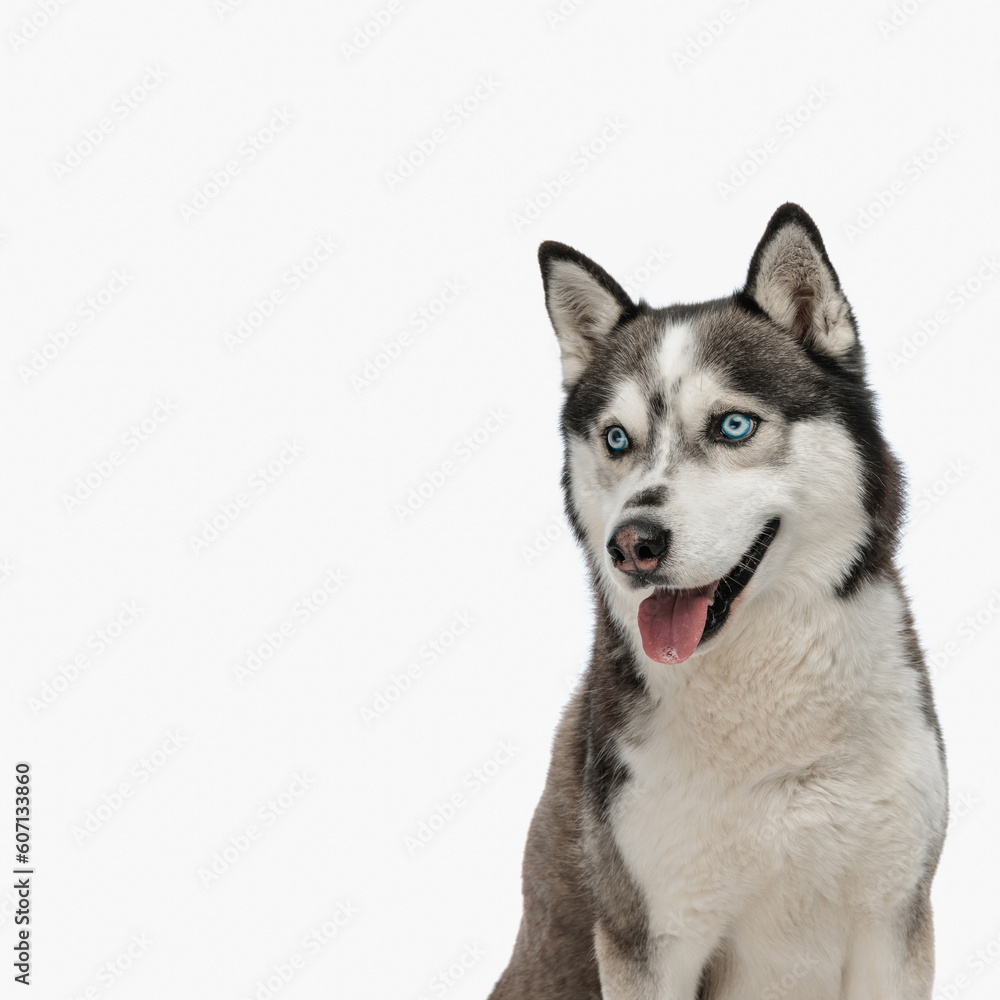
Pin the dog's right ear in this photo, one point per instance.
(792, 280)
(584, 302)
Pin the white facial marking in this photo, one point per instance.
(630, 409)
(676, 355)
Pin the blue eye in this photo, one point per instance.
(617, 439)
(737, 426)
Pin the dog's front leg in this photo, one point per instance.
(665, 969)
(885, 962)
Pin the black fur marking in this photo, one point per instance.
(657, 406)
(748, 304)
(915, 658)
(605, 774)
(615, 692)
(571, 513)
(731, 586)
(757, 357)
(615, 697)
(651, 497)
(704, 984)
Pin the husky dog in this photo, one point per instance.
(747, 796)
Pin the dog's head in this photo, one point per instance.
(716, 450)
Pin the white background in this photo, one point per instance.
(696, 159)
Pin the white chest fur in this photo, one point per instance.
(781, 795)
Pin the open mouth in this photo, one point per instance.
(673, 622)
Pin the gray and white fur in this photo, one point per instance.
(761, 817)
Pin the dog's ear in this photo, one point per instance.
(584, 302)
(792, 280)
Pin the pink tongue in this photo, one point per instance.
(671, 624)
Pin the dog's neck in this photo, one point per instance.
(782, 633)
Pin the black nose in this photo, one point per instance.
(638, 547)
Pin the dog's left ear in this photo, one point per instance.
(584, 302)
(792, 280)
